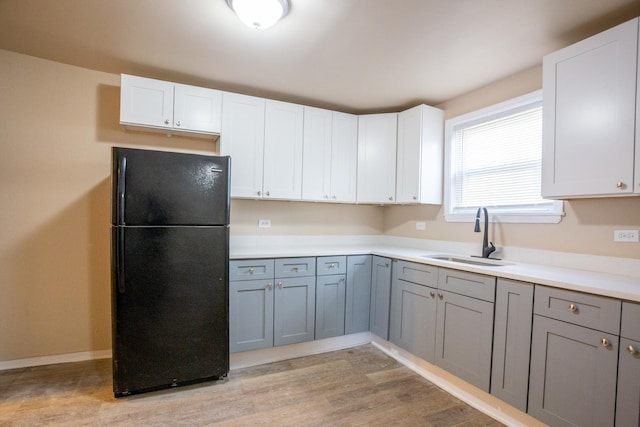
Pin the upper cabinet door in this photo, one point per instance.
(420, 150)
(344, 157)
(377, 158)
(197, 109)
(242, 138)
(316, 162)
(146, 102)
(589, 104)
(283, 137)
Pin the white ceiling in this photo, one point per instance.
(352, 55)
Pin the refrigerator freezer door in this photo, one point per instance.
(171, 313)
(165, 188)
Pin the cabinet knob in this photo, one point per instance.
(333, 197)
(166, 121)
(295, 269)
(326, 197)
(269, 286)
(280, 285)
(620, 185)
(440, 295)
(573, 308)
(415, 198)
(251, 270)
(259, 192)
(632, 351)
(390, 198)
(332, 266)
(605, 342)
(267, 193)
(432, 294)
(341, 280)
(178, 123)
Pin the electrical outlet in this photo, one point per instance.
(264, 223)
(421, 225)
(625, 236)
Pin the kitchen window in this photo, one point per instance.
(493, 159)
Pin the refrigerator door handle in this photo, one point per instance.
(120, 260)
(122, 174)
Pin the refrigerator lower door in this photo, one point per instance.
(170, 306)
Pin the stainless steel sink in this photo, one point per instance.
(485, 262)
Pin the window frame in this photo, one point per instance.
(550, 213)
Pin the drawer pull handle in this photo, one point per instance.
(269, 286)
(295, 269)
(251, 271)
(605, 342)
(573, 308)
(440, 296)
(280, 285)
(632, 351)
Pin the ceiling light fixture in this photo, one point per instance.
(259, 14)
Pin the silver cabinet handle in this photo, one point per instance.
(251, 270)
(267, 193)
(295, 269)
(332, 265)
(415, 198)
(269, 286)
(440, 295)
(166, 121)
(620, 185)
(341, 280)
(390, 198)
(573, 308)
(632, 351)
(280, 285)
(259, 192)
(333, 197)
(178, 123)
(432, 294)
(326, 197)
(605, 342)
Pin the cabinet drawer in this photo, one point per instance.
(419, 274)
(588, 310)
(295, 267)
(469, 284)
(630, 321)
(250, 269)
(327, 265)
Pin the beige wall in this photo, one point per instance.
(587, 227)
(59, 124)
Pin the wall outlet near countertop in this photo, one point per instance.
(421, 225)
(625, 236)
(264, 223)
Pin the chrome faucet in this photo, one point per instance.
(487, 248)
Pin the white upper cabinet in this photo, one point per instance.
(156, 105)
(330, 156)
(419, 156)
(283, 137)
(590, 116)
(242, 138)
(377, 158)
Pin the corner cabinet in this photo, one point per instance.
(590, 106)
(329, 156)
(377, 158)
(419, 155)
(171, 108)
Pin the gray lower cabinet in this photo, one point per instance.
(294, 309)
(413, 308)
(628, 397)
(380, 296)
(358, 294)
(573, 374)
(250, 315)
(330, 304)
(512, 342)
(464, 336)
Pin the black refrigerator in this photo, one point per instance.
(170, 269)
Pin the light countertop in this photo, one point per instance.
(600, 283)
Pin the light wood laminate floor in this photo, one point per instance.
(355, 387)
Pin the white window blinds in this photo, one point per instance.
(495, 160)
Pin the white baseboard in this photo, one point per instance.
(58, 358)
(471, 395)
(276, 354)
